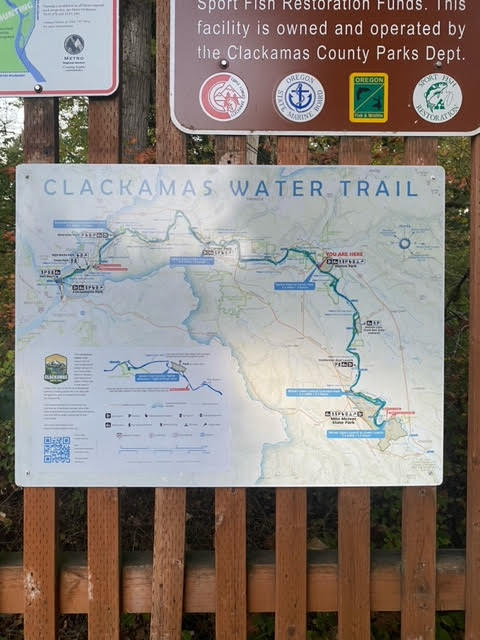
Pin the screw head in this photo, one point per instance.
(223, 63)
(38, 88)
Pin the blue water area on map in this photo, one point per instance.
(315, 393)
(347, 433)
(21, 43)
(179, 261)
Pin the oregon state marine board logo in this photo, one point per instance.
(56, 369)
(223, 96)
(437, 98)
(299, 97)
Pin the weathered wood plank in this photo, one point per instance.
(200, 591)
(39, 505)
(472, 613)
(419, 503)
(354, 564)
(291, 564)
(354, 504)
(231, 564)
(39, 564)
(168, 564)
(103, 564)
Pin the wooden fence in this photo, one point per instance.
(352, 580)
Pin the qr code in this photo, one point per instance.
(56, 449)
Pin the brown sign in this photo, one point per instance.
(326, 66)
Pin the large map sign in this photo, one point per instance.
(229, 326)
(58, 48)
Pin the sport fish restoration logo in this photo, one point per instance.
(437, 98)
(56, 370)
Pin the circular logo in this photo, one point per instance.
(299, 97)
(74, 44)
(223, 96)
(437, 98)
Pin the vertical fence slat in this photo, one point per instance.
(354, 504)
(354, 564)
(39, 530)
(39, 564)
(419, 503)
(103, 564)
(230, 564)
(168, 564)
(230, 504)
(291, 504)
(103, 518)
(472, 595)
(290, 564)
(169, 523)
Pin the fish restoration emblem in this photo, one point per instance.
(437, 98)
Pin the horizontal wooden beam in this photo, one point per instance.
(200, 582)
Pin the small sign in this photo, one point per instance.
(368, 97)
(58, 48)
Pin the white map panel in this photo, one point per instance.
(229, 325)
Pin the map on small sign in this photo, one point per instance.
(59, 48)
(368, 97)
(229, 325)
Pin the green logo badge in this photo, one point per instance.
(55, 369)
(368, 97)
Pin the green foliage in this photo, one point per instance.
(10, 156)
(323, 626)
(323, 150)
(73, 124)
(450, 626)
(263, 627)
(200, 149)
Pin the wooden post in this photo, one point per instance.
(103, 523)
(230, 504)
(169, 523)
(419, 504)
(472, 595)
(39, 528)
(291, 504)
(354, 505)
